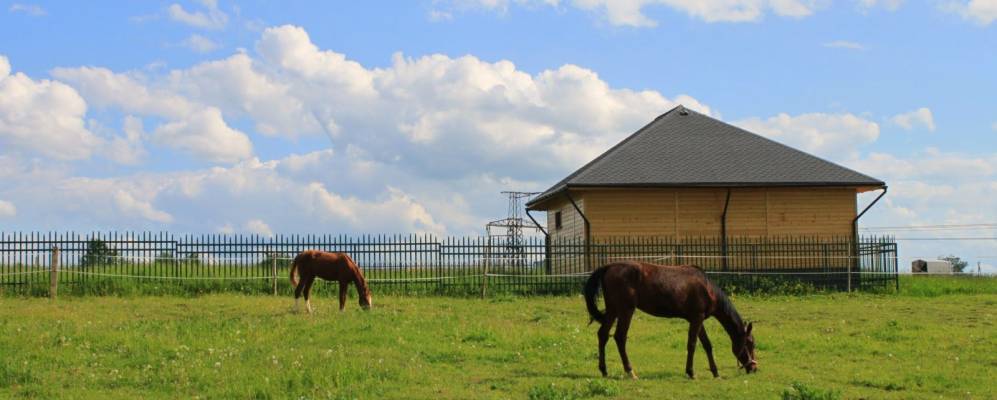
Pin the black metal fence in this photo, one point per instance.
(109, 263)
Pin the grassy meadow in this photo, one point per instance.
(935, 339)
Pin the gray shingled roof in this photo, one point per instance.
(683, 148)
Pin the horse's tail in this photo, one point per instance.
(294, 269)
(591, 290)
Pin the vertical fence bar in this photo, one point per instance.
(53, 285)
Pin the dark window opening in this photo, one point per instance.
(557, 220)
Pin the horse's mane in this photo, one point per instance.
(724, 305)
(358, 273)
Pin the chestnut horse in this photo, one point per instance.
(665, 291)
(331, 267)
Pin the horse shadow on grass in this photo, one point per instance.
(621, 376)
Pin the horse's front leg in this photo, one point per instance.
(343, 287)
(708, 347)
(621, 340)
(695, 325)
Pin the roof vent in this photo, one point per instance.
(683, 111)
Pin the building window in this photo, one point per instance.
(557, 220)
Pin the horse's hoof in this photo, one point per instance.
(633, 375)
(691, 375)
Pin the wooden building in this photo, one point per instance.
(688, 175)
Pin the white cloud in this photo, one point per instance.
(438, 16)
(195, 128)
(29, 9)
(258, 227)
(236, 86)
(982, 12)
(200, 44)
(835, 136)
(44, 117)
(131, 206)
(890, 5)
(843, 44)
(931, 165)
(127, 149)
(631, 12)
(105, 89)
(7, 209)
(205, 134)
(912, 119)
(210, 18)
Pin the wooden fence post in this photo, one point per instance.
(273, 260)
(53, 274)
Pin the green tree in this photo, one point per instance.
(958, 265)
(98, 253)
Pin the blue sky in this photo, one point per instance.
(202, 116)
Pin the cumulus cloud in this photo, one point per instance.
(204, 134)
(920, 117)
(128, 149)
(258, 227)
(106, 89)
(194, 128)
(129, 205)
(33, 10)
(200, 44)
(478, 115)
(844, 44)
(7, 209)
(240, 89)
(982, 12)
(277, 194)
(631, 12)
(42, 116)
(890, 5)
(835, 136)
(210, 18)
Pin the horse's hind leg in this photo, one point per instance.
(708, 347)
(695, 325)
(297, 292)
(621, 340)
(603, 339)
(308, 290)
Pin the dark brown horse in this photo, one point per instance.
(331, 267)
(670, 292)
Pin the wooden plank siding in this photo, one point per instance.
(685, 214)
(572, 224)
(692, 212)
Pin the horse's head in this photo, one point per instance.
(744, 350)
(365, 301)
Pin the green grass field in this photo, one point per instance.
(935, 339)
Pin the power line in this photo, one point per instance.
(948, 238)
(988, 225)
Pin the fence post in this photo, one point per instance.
(851, 263)
(488, 261)
(53, 274)
(273, 263)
